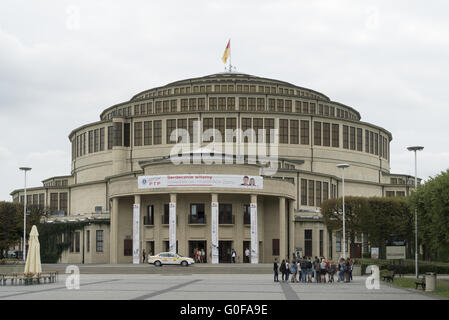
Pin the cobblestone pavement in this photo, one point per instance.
(174, 286)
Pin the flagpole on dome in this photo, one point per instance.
(227, 55)
(230, 56)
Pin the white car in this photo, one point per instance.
(169, 258)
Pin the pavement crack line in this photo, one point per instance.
(289, 293)
(52, 289)
(156, 293)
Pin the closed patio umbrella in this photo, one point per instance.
(33, 263)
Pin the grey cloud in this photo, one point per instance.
(387, 59)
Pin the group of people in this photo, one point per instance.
(199, 255)
(319, 270)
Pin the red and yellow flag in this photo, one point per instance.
(227, 52)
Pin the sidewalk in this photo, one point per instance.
(201, 268)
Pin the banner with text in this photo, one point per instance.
(200, 180)
(214, 223)
(172, 227)
(136, 233)
(254, 238)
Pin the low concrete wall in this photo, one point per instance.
(12, 268)
(357, 270)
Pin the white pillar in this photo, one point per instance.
(254, 231)
(214, 228)
(114, 232)
(282, 230)
(291, 232)
(136, 230)
(172, 223)
(344, 218)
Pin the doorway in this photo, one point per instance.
(200, 245)
(128, 247)
(224, 251)
(308, 243)
(356, 250)
(246, 245)
(149, 248)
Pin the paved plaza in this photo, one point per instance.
(194, 283)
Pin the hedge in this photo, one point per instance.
(405, 267)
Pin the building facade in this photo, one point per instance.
(303, 132)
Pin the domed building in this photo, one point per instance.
(221, 162)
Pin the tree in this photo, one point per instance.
(387, 218)
(11, 223)
(11, 226)
(355, 208)
(432, 203)
(377, 218)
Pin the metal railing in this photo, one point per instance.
(197, 219)
(226, 219)
(148, 221)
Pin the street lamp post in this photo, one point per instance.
(24, 169)
(342, 167)
(414, 149)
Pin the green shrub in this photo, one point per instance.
(405, 267)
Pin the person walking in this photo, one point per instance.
(275, 269)
(143, 256)
(351, 267)
(309, 269)
(347, 266)
(303, 265)
(293, 270)
(299, 270)
(331, 270)
(246, 255)
(317, 270)
(282, 268)
(203, 255)
(233, 254)
(341, 270)
(195, 255)
(323, 270)
(287, 269)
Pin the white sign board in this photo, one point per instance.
(200, 180)
(395, 252)
(254, 239)
(172, 227)
(214, 223)
(136, 233)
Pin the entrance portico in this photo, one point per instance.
(240, 218)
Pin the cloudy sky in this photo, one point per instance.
(63, 62)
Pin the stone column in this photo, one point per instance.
(137, 212)
(291, 218)
(172, 223)
(214, 228)
(254, 230)
(282, 229)
(113, 233)
(142, 230)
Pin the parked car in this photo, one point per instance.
(169, 258)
